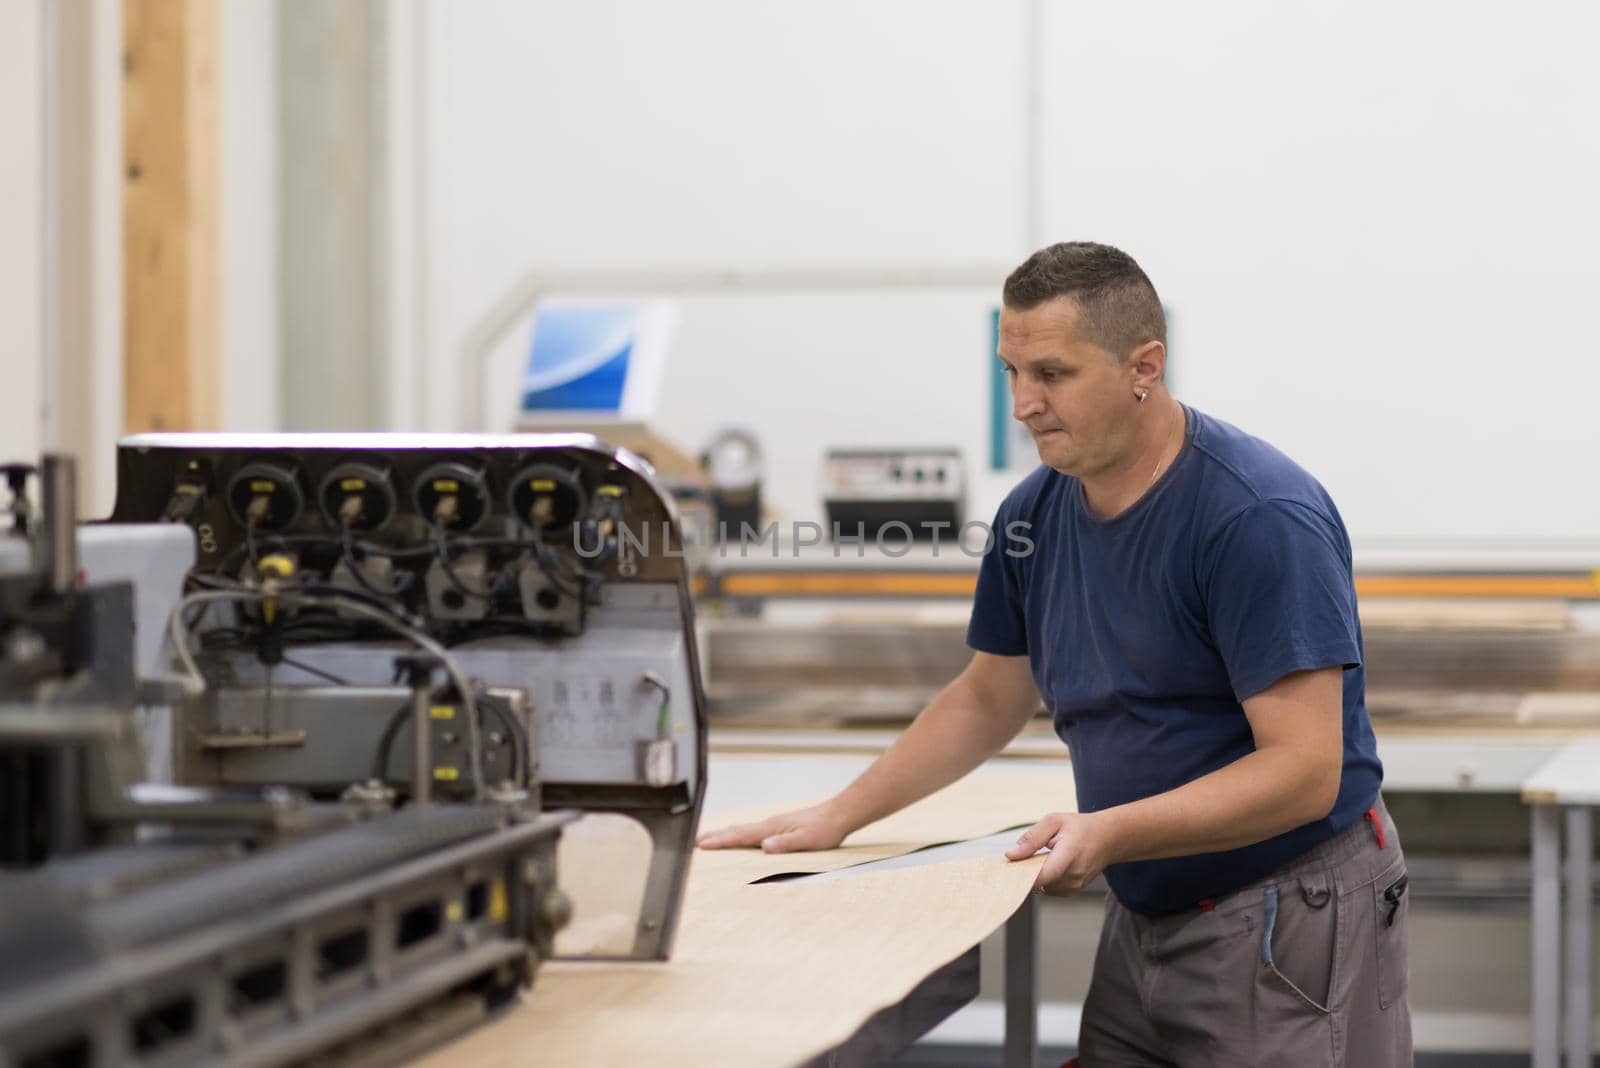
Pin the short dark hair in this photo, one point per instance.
(1117, 306)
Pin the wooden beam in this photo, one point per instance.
(170, 230)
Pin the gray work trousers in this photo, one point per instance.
(1306, 967)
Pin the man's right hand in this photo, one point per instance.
(805, 829)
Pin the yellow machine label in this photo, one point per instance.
(262, 485)
(442, 712)
(446, 774)
(610, 491)
(542, 485)
(352, 483)
(453, 912)
(497, 900)
(446, 485)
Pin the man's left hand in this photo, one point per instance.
(1078, 851)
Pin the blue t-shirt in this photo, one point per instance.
(1146, 631)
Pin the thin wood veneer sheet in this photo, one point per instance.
(776, 973)
(761, 975)
(983, 803)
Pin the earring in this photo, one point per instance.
(1143, 393)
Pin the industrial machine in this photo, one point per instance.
(897, 495)
(406, 667)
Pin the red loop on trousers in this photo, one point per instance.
(1207, 904)
(1377, 825)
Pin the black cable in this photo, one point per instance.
(486, 543)
(280, 541)
(380, 764)
(347, 552)
(211, 582)
(553, 556)
(193, 625)
(323, 628)
(486, 628)
(547, 559)
(229, 639)
(308, 669)
(442, 554)
(519, 748)
(250, 541)
(295, 632)
(338, 628)
(317, 587)
(369, 548)
(521, 757)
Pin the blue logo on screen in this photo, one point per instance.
(579, 357)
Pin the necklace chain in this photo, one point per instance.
(1157, 469)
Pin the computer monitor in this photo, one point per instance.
(595, 361)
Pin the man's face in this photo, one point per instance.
(1071, 394)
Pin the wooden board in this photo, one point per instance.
(170, 204)
(775, 973)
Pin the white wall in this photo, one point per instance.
(248, 217)
(747, 135)
(21, 208)
(98, 473)
(1374, 224)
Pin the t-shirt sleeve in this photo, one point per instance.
(999, 622)
(1279, 595)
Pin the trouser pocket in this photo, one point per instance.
(1390, 903)
(1299, 939)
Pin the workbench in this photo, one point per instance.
(1562, 793)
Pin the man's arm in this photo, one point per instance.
(968, 722)
(1291, 779)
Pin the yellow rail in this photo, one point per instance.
(1571, 586)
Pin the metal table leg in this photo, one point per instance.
(1546, 936)
(1022, 989)
(1580, 895)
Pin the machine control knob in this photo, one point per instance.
(358, 496)
(266, 495)
(453, 496)
(546, 498)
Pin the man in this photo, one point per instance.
(1189, 617)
